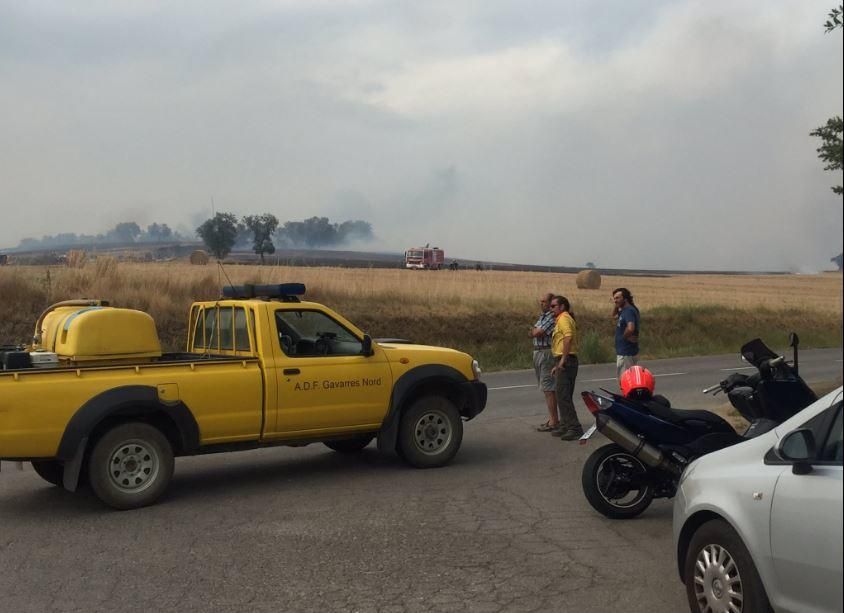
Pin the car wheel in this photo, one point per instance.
(52, 471)
(131, 466)
(430, 432)
(615, 483)
(350, 445)
(720, 574)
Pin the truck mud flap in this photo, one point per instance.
(73, 467)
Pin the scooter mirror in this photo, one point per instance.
(793, 339)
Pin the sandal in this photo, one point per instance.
(546, 427)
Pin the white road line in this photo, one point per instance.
(513, 387)
(739, 368)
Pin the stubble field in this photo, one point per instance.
(486, 313)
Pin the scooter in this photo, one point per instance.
(652, 443)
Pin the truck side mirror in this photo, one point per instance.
(366, 346)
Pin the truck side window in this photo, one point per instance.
(226, 329)
(198, 326)
(212, 339)
(241, 332)
(313, 334)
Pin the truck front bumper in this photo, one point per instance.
(474, 393)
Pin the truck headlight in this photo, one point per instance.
(476, 369)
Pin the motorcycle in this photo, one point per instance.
(652, 443)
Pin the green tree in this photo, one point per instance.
(126, 232)
(354, 230)
(262, 228)
(834, 21)
(159, 232)
(831, 150)
(219, 234)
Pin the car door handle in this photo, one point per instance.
(291, 371)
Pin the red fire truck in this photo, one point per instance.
(424, 258)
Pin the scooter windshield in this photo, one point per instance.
(756, 352)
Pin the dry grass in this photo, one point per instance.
(483, 312)
(518, 290)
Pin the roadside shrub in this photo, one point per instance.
(106, 266)
(76, 258)
(594, 349)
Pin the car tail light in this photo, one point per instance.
(590, 403)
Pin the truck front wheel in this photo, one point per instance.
(430, 432)
(131, 466)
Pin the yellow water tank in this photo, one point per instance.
(52, 324)
(101, 333)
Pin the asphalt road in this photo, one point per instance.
(505, 527)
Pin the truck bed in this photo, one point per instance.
(224, 393)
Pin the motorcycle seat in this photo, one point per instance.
(683, 416)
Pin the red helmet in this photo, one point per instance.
(637, 382)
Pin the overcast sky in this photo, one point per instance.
(654, 134)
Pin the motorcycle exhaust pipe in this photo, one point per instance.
(635, 445)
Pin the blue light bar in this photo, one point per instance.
(281, 291)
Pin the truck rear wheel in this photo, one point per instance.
(52, 471)
(430, 432)
(131, 466)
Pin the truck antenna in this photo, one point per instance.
(223, 270)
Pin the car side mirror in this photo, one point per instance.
(366, 346)
(798, 447)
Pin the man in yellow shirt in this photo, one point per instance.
(564, 350)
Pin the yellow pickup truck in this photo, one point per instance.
(94, 400)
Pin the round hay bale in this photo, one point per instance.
(588, 279)
(199, 257)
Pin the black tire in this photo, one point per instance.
(131, 466)
(52, 471)
(350, 445)
(430, 432)
(717, 558)
(606, 480)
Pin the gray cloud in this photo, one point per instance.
(658, 134)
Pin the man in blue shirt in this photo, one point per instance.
(626, 330)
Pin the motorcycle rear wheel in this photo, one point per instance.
(612, 483)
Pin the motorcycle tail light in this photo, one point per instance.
(590, 403)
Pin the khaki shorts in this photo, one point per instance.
(623, 362)
(543, 362)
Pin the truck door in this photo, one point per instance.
(324, 382)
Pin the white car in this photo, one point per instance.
(758, 526)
